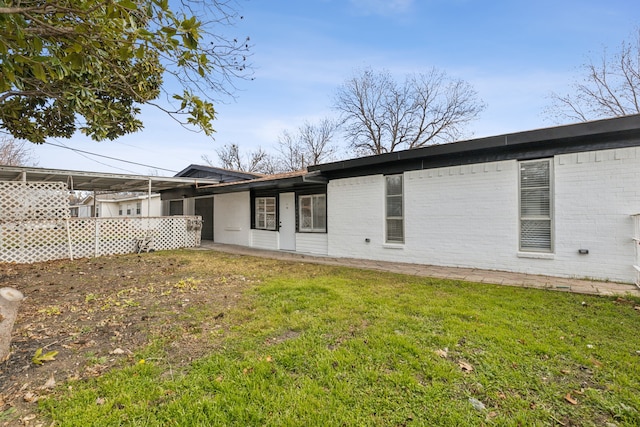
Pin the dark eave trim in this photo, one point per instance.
(597, 135)
(218, 173)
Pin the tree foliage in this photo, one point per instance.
(15, 153)
(309, 145)
(90, 64)
(381, 115)
(609, 87)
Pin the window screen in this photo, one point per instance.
(394, 209)
(535, 206)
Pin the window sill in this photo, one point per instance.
(393, 245)
(536, 255)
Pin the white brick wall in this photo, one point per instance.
(232, 218)
(468, 216)
(355, 212)
(595, 194)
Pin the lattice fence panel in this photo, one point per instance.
(21, 201)
(116, 236)
(34, 241)
(83, 237)
(168, 236)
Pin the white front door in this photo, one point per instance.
(287, 224)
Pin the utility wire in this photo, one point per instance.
(99, 162)
(108, 157)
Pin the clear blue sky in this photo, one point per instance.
(514, 53)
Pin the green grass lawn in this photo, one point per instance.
(327, 346)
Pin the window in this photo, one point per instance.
(313, 213)
(120, 210)
(74, 212)
(266, 213)
(128, 209)
(394, 210)
(138, 208)
(536, 206)
(176, 207)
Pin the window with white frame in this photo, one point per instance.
(394, 209)
(265, 213)
(138, 208)
(536, 209)
(313, 213)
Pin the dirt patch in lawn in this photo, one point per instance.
(98, 313)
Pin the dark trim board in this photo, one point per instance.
(591, 136)
(220, 174)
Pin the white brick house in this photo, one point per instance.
(556, 201)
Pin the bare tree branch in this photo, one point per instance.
(609, 87)
(258, 161)
(379, 115)
(16, 153)
(309, 145)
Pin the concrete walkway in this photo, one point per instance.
(455, 273)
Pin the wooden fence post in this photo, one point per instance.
(9, 301)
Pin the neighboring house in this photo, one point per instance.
(80, 210)
(556, 201)
(119, 204)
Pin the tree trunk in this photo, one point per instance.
(9, 301)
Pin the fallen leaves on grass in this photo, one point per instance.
(51, 383)
(466, 367)
(39, 358)
(570, 399)
(442, 352)
(596, 362)
(30, 397)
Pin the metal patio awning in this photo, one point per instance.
(99, 181)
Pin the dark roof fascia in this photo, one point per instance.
(217, 173)
(290, 183)
(274, 184)
(598, 135)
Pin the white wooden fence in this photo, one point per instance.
(43, 240)
(35, 226)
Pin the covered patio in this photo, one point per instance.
(35, 222)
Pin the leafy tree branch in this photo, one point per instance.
(89, 65)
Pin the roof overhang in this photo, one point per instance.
(270, 182)
(596, 135)
(98, 181)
